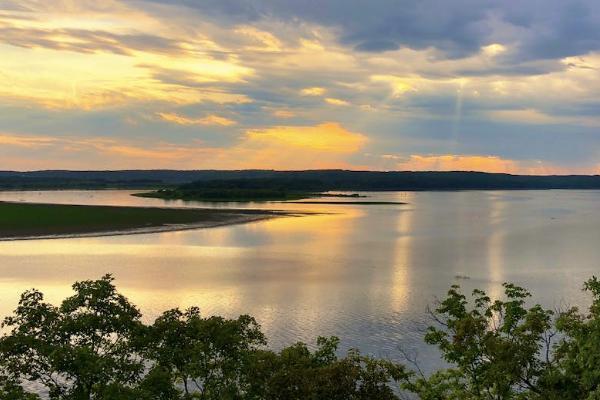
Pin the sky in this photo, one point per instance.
(497, 86)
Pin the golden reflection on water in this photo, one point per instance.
(203, 267)
(402, 259)
(98, 247)
(495, 247)
(326, 237)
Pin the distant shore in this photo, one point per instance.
(328, 180)
(348, 203)
(23, 221)
(235, 195)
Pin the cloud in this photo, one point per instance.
(327, 137)
(378, 25)
(278, 147)
(108, 57)
(457, 29)
(262, 40)
(559, 29)
(283, 113)
(448, 162)
(483, 163)
(324, 145)
(76, 80)
(208, 120)
(25, 141)
(313, 91)
(336, 102)
(398, 84)
(94, 153)
(519, 81)
(279, 112)
(533, 116)
(86, 41)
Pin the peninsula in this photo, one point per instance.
(34, 221)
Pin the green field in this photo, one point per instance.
(26, 219)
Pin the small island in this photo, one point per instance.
(255, 190)
(34, 221)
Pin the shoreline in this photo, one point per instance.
(153, 220)
(148, 230)
(364, 203)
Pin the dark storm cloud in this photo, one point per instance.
(546, 29)
(373, 26)
(556, 29)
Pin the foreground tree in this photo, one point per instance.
(12, 390)
(76, 350)
(503, 350)
(296, 373)
(93, 346)
(576, 374)
(493, 345)
(207, 356)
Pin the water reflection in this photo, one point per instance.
(401, 286)
(364, 273)
(495, 246)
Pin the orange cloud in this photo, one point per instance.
(450, 162)
(284, 114)
(328, 137)
(25, 141)
(482, 163)
(280, 147)
(208, 120)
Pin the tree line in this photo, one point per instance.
(94, 345)
(321, 179)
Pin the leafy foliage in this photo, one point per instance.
(78, 349)
(206, 352)
(577, 371)
(502, 350)
(94, 346)
(297, 373)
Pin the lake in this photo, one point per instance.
(365, 273)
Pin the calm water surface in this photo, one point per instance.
(365, 273)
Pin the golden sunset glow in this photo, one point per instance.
(327, 137)
(208, 120)
(459, 163)
(336, 102)
(313, 91)
(148, 74)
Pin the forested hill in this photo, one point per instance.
(330, 179)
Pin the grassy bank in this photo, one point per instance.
(27, 220)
